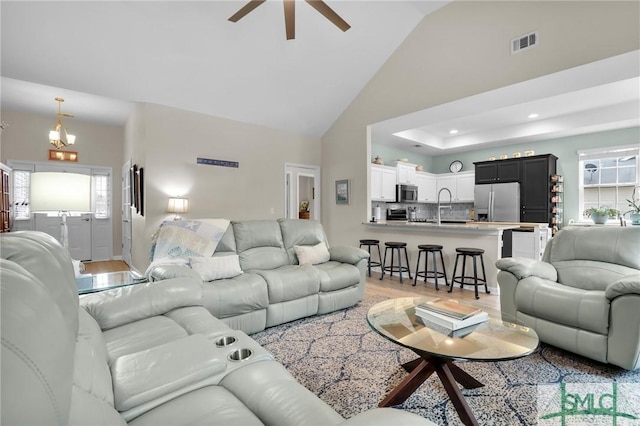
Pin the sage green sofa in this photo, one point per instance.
(273, 287)
(584, 296)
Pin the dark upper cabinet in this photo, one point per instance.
(498, 171)
(535, 188)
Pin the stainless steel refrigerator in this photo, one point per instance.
(498, 202)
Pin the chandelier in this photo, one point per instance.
(56, 135)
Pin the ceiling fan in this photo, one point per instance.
(289, 14)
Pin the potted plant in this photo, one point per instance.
(634, 203)
(601, 214)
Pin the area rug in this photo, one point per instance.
(352, 368)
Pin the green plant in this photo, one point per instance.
(634, 202)
(601, 211)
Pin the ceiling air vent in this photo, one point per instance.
(524, 42)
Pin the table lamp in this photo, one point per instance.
(178, 205)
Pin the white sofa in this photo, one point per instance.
(148, 354)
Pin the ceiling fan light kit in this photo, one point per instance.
(290, 17)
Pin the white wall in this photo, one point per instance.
(167, 142)
(26, 138)
(459, 51)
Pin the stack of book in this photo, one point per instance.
(450, 314)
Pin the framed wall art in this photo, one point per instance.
(342, 191)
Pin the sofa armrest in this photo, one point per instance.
(625, 285)
(346, 254)
(386, 416)
(167, 272)
(124, 305)
(523, 268)
(176, 366)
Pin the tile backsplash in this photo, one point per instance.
(458, 211)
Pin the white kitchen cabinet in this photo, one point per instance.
(406, 173)
(383, 183)
(530, 245)
(426, 184)
(461, 186)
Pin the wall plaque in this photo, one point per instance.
(213, 162)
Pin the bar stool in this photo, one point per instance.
(395, 246)
(434, 273)
(369, 244)
(460, 279)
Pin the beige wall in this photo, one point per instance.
(167, 142)
(458, 51)
(96, 144)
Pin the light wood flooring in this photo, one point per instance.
(389, 287)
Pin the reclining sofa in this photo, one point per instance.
(584, 296)
(270, 286)
(149, 354)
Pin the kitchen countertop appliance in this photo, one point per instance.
(498, 202)
(397, 214)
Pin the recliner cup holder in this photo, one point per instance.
(225, 341)
(240, 355)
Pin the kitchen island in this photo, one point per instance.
(484, 235)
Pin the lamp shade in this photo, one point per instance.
(178, 205)
(55, 192)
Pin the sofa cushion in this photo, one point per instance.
(236, 296)
(336, 276)
(217, 267)
(312, 255)
(259, 244)
(590, 274)
(300, 233)
(557, 303)
(291, 282)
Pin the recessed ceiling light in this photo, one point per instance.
(453, 131)
(534, 115)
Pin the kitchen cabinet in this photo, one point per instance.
(406, 173)
(535, 188)
(383, 183)
(426, 184)
(461, 186)
(498, 171)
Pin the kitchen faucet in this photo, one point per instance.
(443, 207)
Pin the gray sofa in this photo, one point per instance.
(274, 288)
(148, 354)
(584, 296)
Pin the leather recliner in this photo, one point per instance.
(144, 355)
(584, 296)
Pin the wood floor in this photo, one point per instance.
(389, 287)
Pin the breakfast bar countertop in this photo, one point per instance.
(473, 227)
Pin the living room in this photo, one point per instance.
(453, 53)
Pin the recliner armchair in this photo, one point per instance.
(584, 296)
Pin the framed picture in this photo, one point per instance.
(342, 191)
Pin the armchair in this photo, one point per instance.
(584, 296)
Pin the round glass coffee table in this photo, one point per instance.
(492, 340)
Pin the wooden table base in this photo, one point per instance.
(449, 373)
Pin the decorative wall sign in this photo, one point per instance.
(56, 154)
(212, 162)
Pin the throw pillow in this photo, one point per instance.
(312, 255)
(216, 268)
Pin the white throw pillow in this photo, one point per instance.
(312, 255)
(216, 268)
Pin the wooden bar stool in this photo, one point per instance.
(460, 279)
(369, 244)
(395, 246)
(434, 273)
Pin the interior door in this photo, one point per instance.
(126, 213)
(302, 183)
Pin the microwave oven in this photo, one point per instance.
(406, 194)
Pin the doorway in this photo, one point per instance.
(302, 191)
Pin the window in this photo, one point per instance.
(21, 181)
(607, 177)
(100, 196)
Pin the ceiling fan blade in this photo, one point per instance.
(245, 10)
(328, 13)
(290, 18)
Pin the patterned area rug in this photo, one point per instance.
(352, 368)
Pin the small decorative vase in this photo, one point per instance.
(635, 218)
(419, 168)
(599, 219)
(377, 160)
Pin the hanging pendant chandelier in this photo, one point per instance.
(59, 137)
